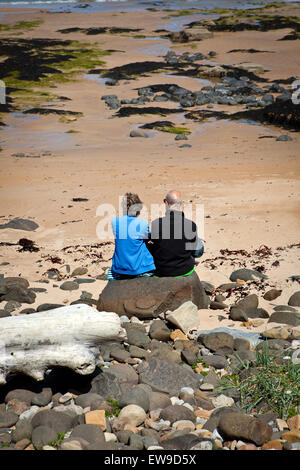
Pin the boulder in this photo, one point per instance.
(294, 300)
(136, 396)
(159, 330)
(211, 71)
(148, 297)
(288, 318)
(21, 224)
(250, 67)
(272, 294)
(58, 421)
(181, 442)
(138, 133)
(185, 317)
(43, 435)
(218, 341)
(115, 381)
(175, 413)
(168, 377)
(244, 427)
(246, 274)
(89, 432)
(198, 34)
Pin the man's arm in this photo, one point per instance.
(194, 244)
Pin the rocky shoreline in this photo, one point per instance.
(169, 385)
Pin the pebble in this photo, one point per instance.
(96, 417)
(110, 437)
(292, 436)
(207, 387)
(65, 398)
(132, 414)
(184, 424)
(294, 422)
(222, 400)
(138, 133)
(284, 138)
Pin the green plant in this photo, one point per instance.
(24, 25)
(172, 129)
(116, 407)
(5, 444)
(273, 385)
(52, 444)
(60, 436)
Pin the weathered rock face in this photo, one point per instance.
(148, 297)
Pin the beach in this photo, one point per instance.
(145, 97)
(246, 180)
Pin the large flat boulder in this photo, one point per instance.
(148, 297)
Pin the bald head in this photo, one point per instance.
(173, 200)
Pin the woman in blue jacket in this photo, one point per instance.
(131, 256)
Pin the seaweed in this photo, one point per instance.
(281, 114)
(134, 69)
(166, 126)
(133, 110)
(249, 21)
(24, 25)
(286, 115)
(98, 30)
(248, 51)
(29, 64)
(45, 111)
(292, 36)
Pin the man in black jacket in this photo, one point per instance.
(174, 243)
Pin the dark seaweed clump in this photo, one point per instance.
(128, 71)
(61, 112)
(292, 36)
(133, 110)
(248, 51)
(99, 30)
(251, 23)
(31, 58)
(285, 114)
(282, 114)
(180, 67)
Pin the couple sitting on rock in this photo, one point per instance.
(169, 249)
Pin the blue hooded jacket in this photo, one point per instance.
(131, 256)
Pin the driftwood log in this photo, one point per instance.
(66, 337)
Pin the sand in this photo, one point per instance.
(248, 185)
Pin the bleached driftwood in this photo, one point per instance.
(67, 336)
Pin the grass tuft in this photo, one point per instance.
(270, 385)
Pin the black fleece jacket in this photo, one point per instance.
(172, 241)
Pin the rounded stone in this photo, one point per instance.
(89, 432)
(59, 421)
(43, 435)
(132, 414)
(135, 396)
(294, 300)
(175, 413)
(69, 285)
(8, 419)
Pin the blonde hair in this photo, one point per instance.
(132, 205)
